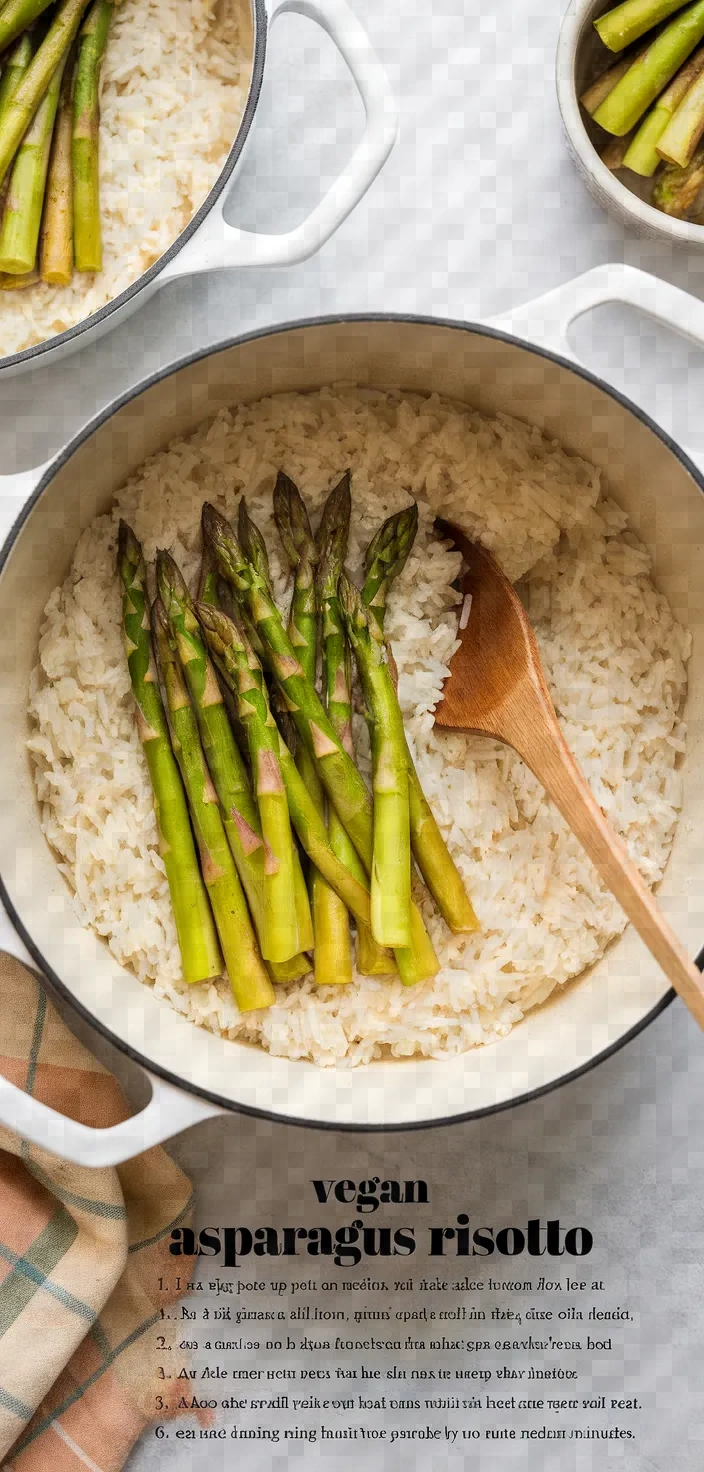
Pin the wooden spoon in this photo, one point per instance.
(497, 688)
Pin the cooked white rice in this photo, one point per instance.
(173, 88)
(614, 654)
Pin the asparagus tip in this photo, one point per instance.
(292, 521)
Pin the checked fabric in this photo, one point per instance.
(81, 1254)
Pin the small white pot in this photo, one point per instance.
(577, 47)
(208, 243)
(496, 367)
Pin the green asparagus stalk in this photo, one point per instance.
(85, 148)
(263, 740)
(391, 870)
(253, 544)
(18, 114)
(333, 946)
(677, 191)
(344, 786)
(678, 143)
(208, 591)
(599, 90)
(251, 537)
(627, 22)
(240, 813)
(14, 69)
(16, 16)
(650, 74)
(385, 558)
(245, 968)
(331, 542)
(195, 928)
(236, 659)
(21, 222)
(642, 155)
(56, 252)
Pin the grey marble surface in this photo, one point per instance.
(478, 208)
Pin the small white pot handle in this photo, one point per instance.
(15, 491)
(169, 1110)
(217, 245)
(547, 319)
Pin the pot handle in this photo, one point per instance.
(15, 491)
(546, 320)
(217, 245)
(169, 1110)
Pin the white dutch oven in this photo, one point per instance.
(193, 1073)
(208, 243)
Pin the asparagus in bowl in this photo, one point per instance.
(645, 109)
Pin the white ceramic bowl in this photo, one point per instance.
(623, 195)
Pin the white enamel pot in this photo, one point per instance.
(522, 365)
(208, 243)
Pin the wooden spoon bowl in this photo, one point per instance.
(497, 688)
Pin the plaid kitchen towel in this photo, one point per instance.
(81, 1255)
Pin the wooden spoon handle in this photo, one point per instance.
(552, 762)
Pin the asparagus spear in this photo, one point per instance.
(86, 137)
(331, 542)
(18, 114)
(333, 946)
(197, 937)
(12, 73)
(245, 968)
(56, 253)
(240, 813)
(385, 558)
(273, 812)
(618, 27)
(344, 786)
(16, 16)
(208, 591)
(677, 191)
(14, 69)
(599, 90)
(391, 870)
(649, 75)
(237, 660)
(22, 218)
(642, 155)
(677, 144)
(252, 539)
